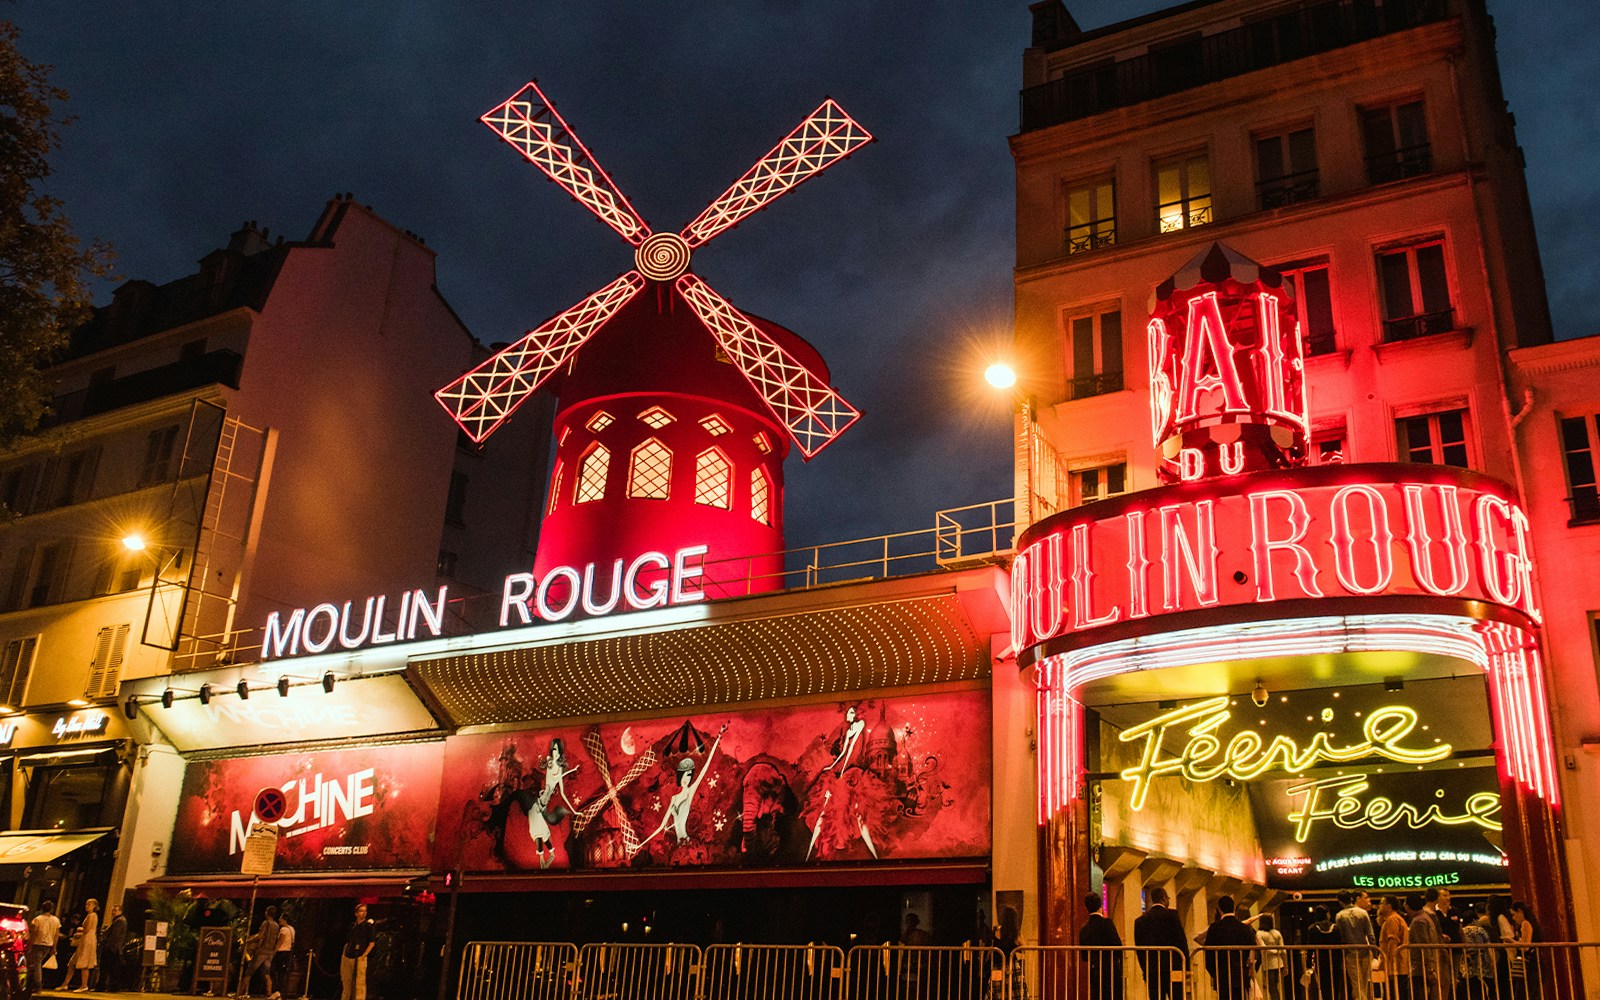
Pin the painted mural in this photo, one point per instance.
(370, 808)
(856, 781)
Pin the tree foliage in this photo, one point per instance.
(44, 270)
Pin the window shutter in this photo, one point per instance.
(106, 669)
(15, 666)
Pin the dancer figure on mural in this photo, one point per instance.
(847, 774)
(541, 808)
(677, 811)
(849, 742)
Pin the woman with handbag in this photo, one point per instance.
(85, 947)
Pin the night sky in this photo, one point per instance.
(896, 264)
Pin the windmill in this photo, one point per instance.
(675, 408)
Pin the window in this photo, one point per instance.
(1096, 351)
(1088, 485)
(1416, 293)
(1091, 215)
(1579, 437)
(555, 489)
(73, 477)
(650, 471)
(17, 489)
(120, 572)
(763, 444)
(715, 425)
(592, 475)
(16, 664)
(1434, 438)
(1313, 303)
(1286, 167)
(760, 496)
(160, 450)
(1396, 137)
(446, 566)
(105, 670)
(656, 418)
(455, 505)
(1183, 189)
(70, 797)
(1328, 448)
(600, 421)
(713, 479)
(49, 574)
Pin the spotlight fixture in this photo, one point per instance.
(327, 683)
(243, 688)
(130, 708)
(167, 697)
(283, 685)
(205, 694)
(1260, 695)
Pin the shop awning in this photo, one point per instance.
(31, 847)
(297, 884)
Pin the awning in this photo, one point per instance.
(32, 847)
(818, 877)
(296, 884)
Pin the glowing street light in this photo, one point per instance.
(134, 542)
(1000, 375)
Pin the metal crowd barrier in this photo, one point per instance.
(1540, 971)
(517, 970)
(772, 972)
(1071, 972)
(638, 972)
(914, 972)
(1299, 972)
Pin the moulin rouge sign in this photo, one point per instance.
(651, 580)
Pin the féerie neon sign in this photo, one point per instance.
(1247, 755)
(651, 580)
(1335, 800)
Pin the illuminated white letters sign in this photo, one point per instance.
(1330, 532)
(317, 803)
(651, 580)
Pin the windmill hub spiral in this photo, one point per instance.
(662, 256)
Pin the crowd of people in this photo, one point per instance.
(92, 956)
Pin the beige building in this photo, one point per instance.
(1365, 151)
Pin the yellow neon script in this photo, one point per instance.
(1205, 758)
(1347, 812)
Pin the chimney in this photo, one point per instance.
(1053, 25)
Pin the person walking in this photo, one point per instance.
(85, 947)
(1427, 982)
(1226, 958)
(282, 957)
(44, 932)
(1105, 967)
(353, 961)
(112, 941)
(1160, 927)
(1323, 962)
(1274, 960)
(1355, 928)
(260, 946)
(1393, 935)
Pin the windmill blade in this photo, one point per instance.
(827, 136)
(807, 406)
(484, 397)
(531, 123)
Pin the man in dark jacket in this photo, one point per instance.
(112, 940)
(1159, 926)
(1105, 967)
(1230, 966)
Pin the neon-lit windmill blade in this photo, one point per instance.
(811, 411)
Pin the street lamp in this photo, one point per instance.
(134, 542)
(1001, 375)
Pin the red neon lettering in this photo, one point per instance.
(1276, 363)
(1262, 543)
(1230, 458)
(1191, 464)
(1525, 556)
(1138, 567)
(1160, 383)
(1343, 540)
(1502, 570)
(1207, 335)
(1420, 540)
(1020, 599)
(1199, 554)
(1045, 579)
(1083, 615)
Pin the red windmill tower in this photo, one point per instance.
(675, 409)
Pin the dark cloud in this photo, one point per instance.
(896, 265)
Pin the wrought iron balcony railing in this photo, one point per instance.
(1399, 164)
(1293, 35)
(1288, 189)
(1082, 239)
(1422, 325)
(1094, 385)
(1584, 505)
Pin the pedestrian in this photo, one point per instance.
(260, 948)
(1105, 967)
(1393, 935)
(1525, 961)
(112, 941)
(1274, 960)
(1326, 970)
(1427, 980)
(1008, 938)
(353, 962)
(44, 931)
(1155, 931)
(1228, 947)
(1355, 928)
(1477, 942)
(85, 947)
(282, 957)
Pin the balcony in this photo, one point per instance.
(1094, 385)
(1584, 505)
(1321, 343)
(1399, 164)
(1294, 35)
(217, 367)
(1082, 239)
(1423, 325)
(1288, 189)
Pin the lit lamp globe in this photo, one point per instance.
(134, 542)
(1000, 375)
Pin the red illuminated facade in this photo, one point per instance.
(1335, 524)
